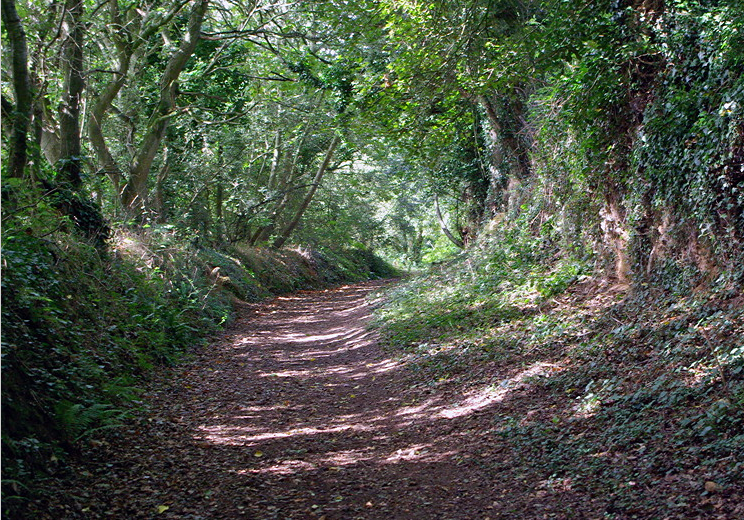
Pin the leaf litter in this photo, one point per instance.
(262, 425)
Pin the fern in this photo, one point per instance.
(77, 420)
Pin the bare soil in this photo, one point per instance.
(298, 413)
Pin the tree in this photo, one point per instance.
(134, 192)
(19, 113)
(290, 227)
(69, 112)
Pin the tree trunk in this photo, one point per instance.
(219, 200)
(275, 159)
(134, 194)
(283, 185)
(38, 132)
(459, 243)
(69, 114)
(279, 242)
(98, 114)
(510, 158)
(126, 46)
(418, 244)
(21, 117)
(159, 203)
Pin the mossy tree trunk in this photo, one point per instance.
(69, 165)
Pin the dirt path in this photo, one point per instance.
(298, 413)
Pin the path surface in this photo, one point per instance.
(298, 413)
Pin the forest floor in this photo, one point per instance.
(298, 413)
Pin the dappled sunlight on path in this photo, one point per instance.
(306, 404)
(298, 413)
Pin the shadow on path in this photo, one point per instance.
(298, 413)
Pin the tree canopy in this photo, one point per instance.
(249, 121)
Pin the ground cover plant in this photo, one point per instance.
(636, 394)
(85, 327)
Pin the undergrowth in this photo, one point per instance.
(81, 328)
(85, 326)
(639, 387)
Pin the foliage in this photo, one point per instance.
(642, 386)
(485, 284)
(81, 328)
(701, 179)
(605, 144)
(557, 141)
(84, 328)
(563, 113)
